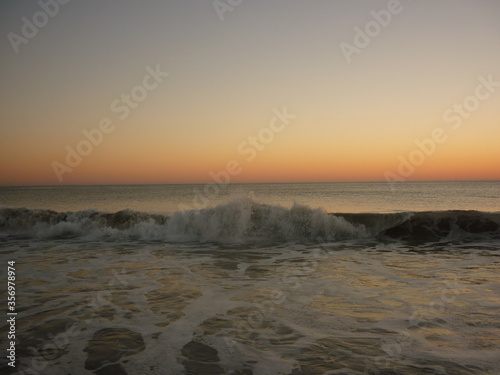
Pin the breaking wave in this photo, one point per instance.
(246, 220)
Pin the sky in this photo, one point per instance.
(190, 91)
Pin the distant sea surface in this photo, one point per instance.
(350, 197)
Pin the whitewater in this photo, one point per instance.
(246, 220)
(260, 284)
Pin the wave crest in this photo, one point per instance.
(240, 220)
(245, 220)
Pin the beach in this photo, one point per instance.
(251, 288)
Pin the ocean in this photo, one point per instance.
(252, 279)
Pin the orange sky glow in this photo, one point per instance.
(183, 93)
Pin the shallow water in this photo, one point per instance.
(349, 307)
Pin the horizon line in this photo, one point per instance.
(244, 183)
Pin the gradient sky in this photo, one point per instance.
(353, 120)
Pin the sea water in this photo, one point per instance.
(330, 278)
(330, 196)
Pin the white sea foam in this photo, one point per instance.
(245, 220)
